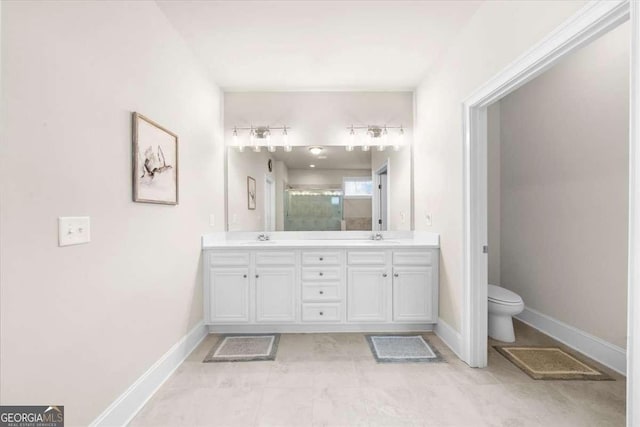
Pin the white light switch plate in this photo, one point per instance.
(427, 219)
(74, 230)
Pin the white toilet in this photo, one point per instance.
(503, 305)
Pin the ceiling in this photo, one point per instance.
(332, 157)
(318, 45)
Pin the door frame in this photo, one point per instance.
(375, 201)
(269, 208)
(592, 21)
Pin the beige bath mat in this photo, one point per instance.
(550, 363)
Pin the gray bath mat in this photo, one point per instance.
(244, 348)
(402, 349)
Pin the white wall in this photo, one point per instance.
(399, 186)
(493, 192)
(282, 180)
(564, 181)
(323, 178)
(240, 166)
(317, 118)
(497, 34)
(79, 324)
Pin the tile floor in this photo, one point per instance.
(333, 380)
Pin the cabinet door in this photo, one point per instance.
(413, 292)
(229, 295)
(366, 294)
(276, 294)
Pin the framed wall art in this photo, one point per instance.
(155, 162)
(251, 193)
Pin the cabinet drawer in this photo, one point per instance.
(413, 258)
(229, 258)
(320, 273)
(321, 312)
(366, 257)
(275, 258)
(319, 292)
(321, 258)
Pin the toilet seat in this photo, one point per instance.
(504, 296)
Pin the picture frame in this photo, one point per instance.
(251, 193)
(155, 162)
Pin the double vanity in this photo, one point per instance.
(295, 282)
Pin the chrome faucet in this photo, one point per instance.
(376, 236)
(263, 237)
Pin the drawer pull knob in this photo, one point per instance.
(321, 313)
(321, 259)
(321, 292)
(395, 275)
(384, 274)
(321, 273)
(257, 276)
(244, 275)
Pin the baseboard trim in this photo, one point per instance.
(127, 405)
(320, 328)
(451, 337)
(599, 350)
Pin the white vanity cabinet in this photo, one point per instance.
(228, 298)
(250, 286)
(275, 294)
(413, 294)
(307, 289)
(322, 285)
(367, 294)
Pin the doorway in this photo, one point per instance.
(381, 198)
(591, 22)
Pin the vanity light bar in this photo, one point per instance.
(257, 133)
(377, 137)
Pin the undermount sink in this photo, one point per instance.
(251, 242)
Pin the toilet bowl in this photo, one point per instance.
(503, 305)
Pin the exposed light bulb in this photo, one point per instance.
(365, 148)
(271, 148)
(288, 148)
(381, 147)
(241, 148)
(256, 149)
(315, 150)
(349, 148)
(312, 166)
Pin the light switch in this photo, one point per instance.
(427, 219)
(74, 230)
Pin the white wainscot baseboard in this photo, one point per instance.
(449, 336)
(125, 407)
(599, 350)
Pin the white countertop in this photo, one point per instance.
(298, 240)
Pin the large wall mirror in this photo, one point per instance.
(324, 189)
(329, 189)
